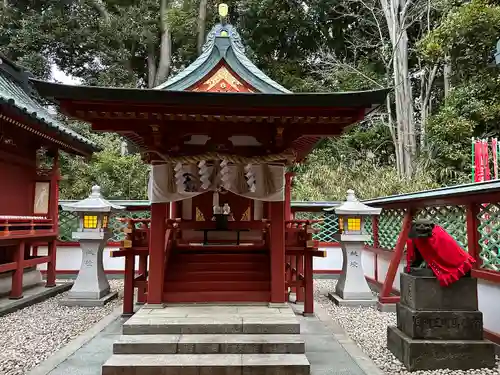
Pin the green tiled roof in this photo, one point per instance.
(17, 93)
(223, 43)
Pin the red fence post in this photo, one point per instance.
(143, 265)
(376, 245)
(396, 256)
(473, 236)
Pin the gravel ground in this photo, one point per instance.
(368, 328)
(31, 335)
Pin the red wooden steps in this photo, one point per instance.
(216, 276)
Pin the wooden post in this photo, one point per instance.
(51, 265)
(143, 265)
(157, 253)
(277, 211)
(300, 271)
(473, 235)
(54, 194)
(308, 285)
(288, 195)
(128, 288)
(17, 277)
(396, 257)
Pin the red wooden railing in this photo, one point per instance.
(300, 249)
(18, 237)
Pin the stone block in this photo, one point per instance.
(278, 325)
(440, 354)
(339, 301)
(89, 302)
(425, 293)
(160, 325)
(282, 364)
(440, 325)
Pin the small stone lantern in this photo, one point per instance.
(91, 287)
(352, 288)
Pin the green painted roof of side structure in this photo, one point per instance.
(17, 93)
(223, 43)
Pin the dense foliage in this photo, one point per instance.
(442, 57)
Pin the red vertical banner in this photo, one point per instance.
(478, 161)
(494, 148)
(486, 161)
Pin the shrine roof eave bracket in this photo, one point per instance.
(58, 93)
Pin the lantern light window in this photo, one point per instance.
(354, 224)
(90, 222)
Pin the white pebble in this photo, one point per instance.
(368, 328)
(31, 335)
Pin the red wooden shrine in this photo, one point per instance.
(221, 105)
(29, 199)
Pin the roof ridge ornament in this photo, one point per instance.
(223, 11)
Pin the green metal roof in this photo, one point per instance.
(223, 43)
(17, 93)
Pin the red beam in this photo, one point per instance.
(8, 267)
(34, 261)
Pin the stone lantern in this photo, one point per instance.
(352, 288)
(91, 287)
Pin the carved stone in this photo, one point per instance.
(439, 327)
(440, 354)
(425, 293)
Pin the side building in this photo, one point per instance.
(29, 199)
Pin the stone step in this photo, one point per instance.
(149, 324)
(206, 344)
(214, 364)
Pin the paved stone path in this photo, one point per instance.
(328, 349)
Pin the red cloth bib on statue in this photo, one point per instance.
(442, 254)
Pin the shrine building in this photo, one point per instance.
(30, 141)
(219, 137)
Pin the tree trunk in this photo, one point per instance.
(151, 67)
(394, 12)
(165, 59)
(446, 76)
(202, 21)
(101, 8)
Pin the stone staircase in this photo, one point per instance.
(210, 340)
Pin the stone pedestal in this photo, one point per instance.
(91, 287)
(439, 327)
(352, 288)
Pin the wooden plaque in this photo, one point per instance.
(42, 194)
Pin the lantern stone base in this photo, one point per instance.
(89, 302)
(339, 301)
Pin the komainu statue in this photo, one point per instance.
(430, 246)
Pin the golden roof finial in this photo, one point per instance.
(223, 11)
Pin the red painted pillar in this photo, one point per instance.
(17, 277)
(51, 265)
(128, 288)
(288, 195)
(157, 252)
(308, 285)
(277, 211)
(143, 266)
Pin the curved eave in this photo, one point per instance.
(356, 99)
(225, 49)
(66, 137)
